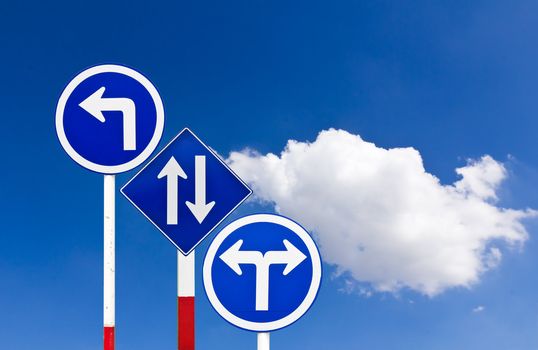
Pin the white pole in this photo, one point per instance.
(185, 301)
(263, 341)
(109, 262)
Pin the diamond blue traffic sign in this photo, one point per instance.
(186, 191)
(262, 272)
(109, 119)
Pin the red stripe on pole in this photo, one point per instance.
(185, 324)
(109, 338)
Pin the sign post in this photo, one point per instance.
(282, 280)
(186, 191)
(109, 262)
(91, 131)
(263, 341)
(185, 301)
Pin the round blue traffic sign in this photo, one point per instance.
(262, 272)
(109, 119)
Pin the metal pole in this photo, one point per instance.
(263, 341)
(185, 301)
(109, 262)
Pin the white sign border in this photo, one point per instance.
(152, 145)
(312, 291)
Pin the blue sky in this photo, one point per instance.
(453, 79)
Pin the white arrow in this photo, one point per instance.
(95, 104)
(292, 257)
(172, 171)
(200, 208)
(234, 257)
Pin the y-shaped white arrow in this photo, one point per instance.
(233, 257)
(95, 104)
(172, 171)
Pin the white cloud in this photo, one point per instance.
(478, 309)
(481, 178)
(380, 218)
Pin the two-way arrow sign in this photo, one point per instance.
(186, 190)
(181, 211)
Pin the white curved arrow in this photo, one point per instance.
(96, 104)
(172, 171)
(234, 257)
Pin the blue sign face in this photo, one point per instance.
(109, 119)
(186, 191)
(262, 272)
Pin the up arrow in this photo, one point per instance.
(234, 257)
(200, 208)
(172, 171)
(96, 104)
